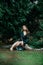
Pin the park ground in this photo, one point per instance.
(21, 57)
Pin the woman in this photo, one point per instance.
(23, 39)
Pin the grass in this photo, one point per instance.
(21, 57)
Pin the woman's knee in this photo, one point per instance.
(18, 43)
(21, 43)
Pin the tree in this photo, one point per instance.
(13, 14)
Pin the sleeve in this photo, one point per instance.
(21, 35)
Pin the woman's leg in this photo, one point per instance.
(16, 44)
(27, 47)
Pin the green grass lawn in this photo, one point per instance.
(21, 57)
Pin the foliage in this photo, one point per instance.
(13, 14)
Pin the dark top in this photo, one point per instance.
(24, 38)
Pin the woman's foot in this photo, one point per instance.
(11, 49)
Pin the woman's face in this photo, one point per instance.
(24, 27)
